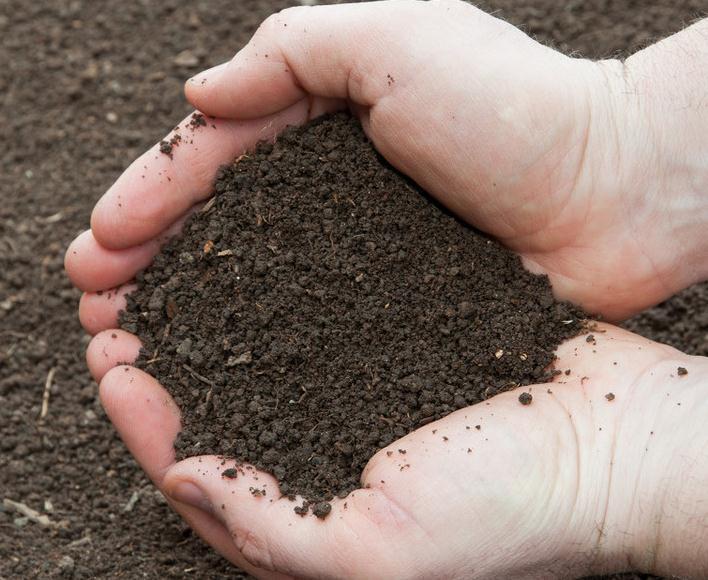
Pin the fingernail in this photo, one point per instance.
(187, 492)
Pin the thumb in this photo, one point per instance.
(358, 532)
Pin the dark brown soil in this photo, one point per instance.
(87, 86)
(323, 307)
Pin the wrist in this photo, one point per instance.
(657, 98)
(668, 505)
(652, 161)
(639, 483)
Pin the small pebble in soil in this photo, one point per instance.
(66, 564)
(682, 371)
(610, 396)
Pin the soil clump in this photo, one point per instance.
(321, 306)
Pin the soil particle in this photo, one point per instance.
(525, 398)
(166, 148)
(315, 333)
(230, 473)
(66, 565)
(682, 371)
(610, 396)
(302, 510)
(322, 509)
(196, 121)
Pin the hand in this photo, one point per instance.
(572, 484)
(554, 156)
(512, 136)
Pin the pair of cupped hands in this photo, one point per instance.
(594, 172)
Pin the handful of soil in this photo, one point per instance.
(321, 306)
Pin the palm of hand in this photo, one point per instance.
(526, 492)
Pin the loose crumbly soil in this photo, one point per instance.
(86, 87)
(323, 307)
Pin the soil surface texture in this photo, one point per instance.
(88, 85)
(321, 307)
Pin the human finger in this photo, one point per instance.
(99, 310)
(161, 186)
(109, 349)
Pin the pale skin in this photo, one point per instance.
(595, 172)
